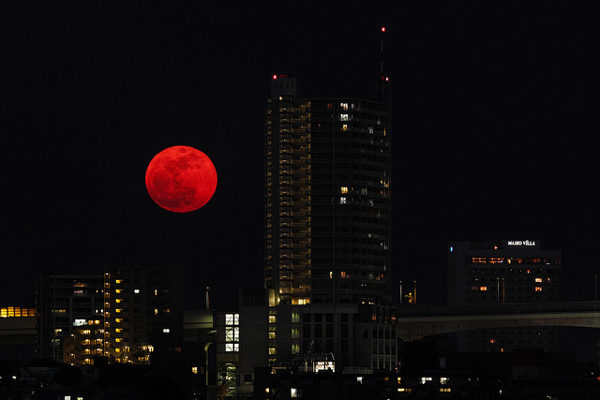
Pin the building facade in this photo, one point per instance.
(328, 206)
(143, 312)
(125, 314)
(498, 272)
(64, 302)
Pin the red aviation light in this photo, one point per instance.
(383, 29)
(274, 76)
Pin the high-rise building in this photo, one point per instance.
(498, 272)
(143, 311)
(125, 314)
(64, 302)
(328, 173)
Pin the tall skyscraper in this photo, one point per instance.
(328, 206)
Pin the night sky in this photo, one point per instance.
(495, 130)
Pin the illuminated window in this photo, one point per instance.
(538, 280)
(483, 288)
(272, 319)
(344, 189)
(445, 390)
(538, 288)
(492, 341)
(118, 281)
(343, 200)
(232, 334)
(118, 290)
(136, 291)
(232, 319)
(295, 393)
(295, 348)
(166, 330)
(344, 127)
(343, 117)
(232, 347)
(272, 350)
(344, 106)
(295, 317)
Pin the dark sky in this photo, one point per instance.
(495, 130)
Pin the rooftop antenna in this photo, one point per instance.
(383, 80)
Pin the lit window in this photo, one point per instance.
(272, 350)
(295, 393)
(343, 117)
(232, 334)
(343, 200)
(166, 330)
(344, 106)
(232, 319)
(344, 127)
(344, 189)
(232, 347)
(538, 288)
(136, 291)
(538, 280)
(483, 288)
(295, 348)
(492, 341)
(118, 281)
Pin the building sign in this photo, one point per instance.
(526, 243)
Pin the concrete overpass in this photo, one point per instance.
(416, 321)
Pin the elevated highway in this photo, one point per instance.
(416, 321)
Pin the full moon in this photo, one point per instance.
(181, 179)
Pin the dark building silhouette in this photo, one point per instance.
(502, 272)
(328, 206)
(125, 314)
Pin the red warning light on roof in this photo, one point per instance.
(383, 29)
(274, 76)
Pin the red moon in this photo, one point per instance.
(181, 179)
